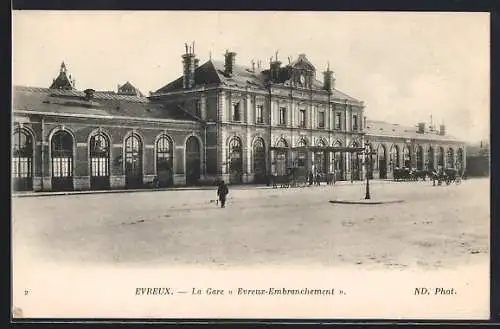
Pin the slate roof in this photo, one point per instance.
(382, 128)
(212, 72)
(104, 104)
(128, 88)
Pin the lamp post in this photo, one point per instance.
(368, 163)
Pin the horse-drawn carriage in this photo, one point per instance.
(447, 176)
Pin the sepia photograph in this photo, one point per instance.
(250, 164)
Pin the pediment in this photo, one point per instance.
(302, 63)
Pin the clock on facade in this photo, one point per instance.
(302, 79)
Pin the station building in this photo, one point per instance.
(217, 120)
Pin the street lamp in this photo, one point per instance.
(368, 163)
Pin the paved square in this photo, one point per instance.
(437, 227)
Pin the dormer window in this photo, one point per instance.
(236, 112)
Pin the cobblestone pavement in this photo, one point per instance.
(436, 227)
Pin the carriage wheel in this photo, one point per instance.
(458, 181)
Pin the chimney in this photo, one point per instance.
(328, 79)
(189, 64)
(442, 130)
(421, 128)
(89, 94)
(229, 62)
(253, 65)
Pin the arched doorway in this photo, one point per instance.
(301, 161)
(440, 157)
(193, 160)
(22, 160)
(450, 163)
(235, 161)
(382, 161)
(406, 157)
(281, 159)
(460, 160)
(99, 162)
(394, 161)
(133, 162)
(259, 160)
(430, 159)
(320, 164)
(338, 162)
(356, 165)
(420, 158)
(164, 161)
(62, 161)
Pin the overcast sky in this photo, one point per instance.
(404, 66)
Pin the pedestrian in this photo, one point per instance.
(222, 192)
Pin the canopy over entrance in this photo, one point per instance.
(321, 149)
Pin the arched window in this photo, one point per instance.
(99, 161)
(441, 157)
(133, 161)
(394, 161)
(235, 160)
(406, 157)
(164, 153)
(281, 157)
(382, 161)
(420, 158)
(259, 160)
(193, 160)
(302, 154)
(99, 155)
(430, 158)
(164, 161)
(62, 160)
(22, 160)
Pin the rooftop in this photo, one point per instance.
(212, 73)
(382, 128)
(103, 104)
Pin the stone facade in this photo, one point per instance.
(219, 120)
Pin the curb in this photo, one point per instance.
(365, 202)
(198, 188)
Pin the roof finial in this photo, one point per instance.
(276, 54)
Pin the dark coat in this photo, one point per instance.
(222, 191)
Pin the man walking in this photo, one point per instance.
(222, 192)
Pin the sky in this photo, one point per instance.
(404, 66)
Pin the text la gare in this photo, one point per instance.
(208, 291)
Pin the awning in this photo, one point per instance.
(320, 149)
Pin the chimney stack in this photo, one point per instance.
(275, 67)
(328, 79)
(189, 63)
(421, 127)
(229, 62)
(442, 130)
